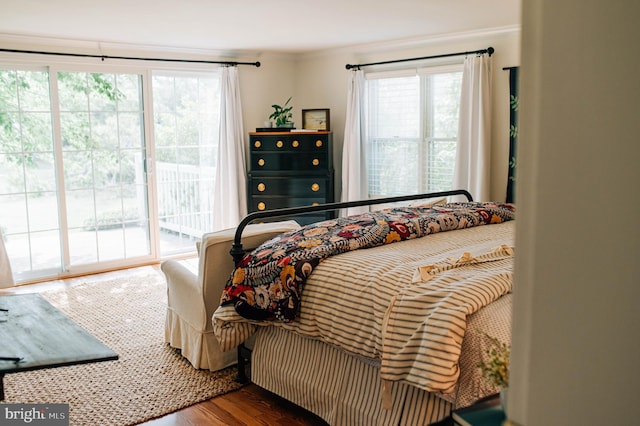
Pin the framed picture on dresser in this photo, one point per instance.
(316, 119)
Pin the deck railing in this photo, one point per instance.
(185, 198)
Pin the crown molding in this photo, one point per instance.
(94, 47)
(63, 45)
(419, 42)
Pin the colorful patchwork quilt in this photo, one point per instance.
(268, 282)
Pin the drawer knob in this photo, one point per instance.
(261, 206)
(279, 144)
(319, 143)
(257, 144)
(261, 162)
(315, 162)
(261, 187)
(315, 187)
(295, 144)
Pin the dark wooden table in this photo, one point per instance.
(35, 335)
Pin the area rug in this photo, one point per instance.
(150, 379)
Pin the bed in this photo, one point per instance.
(385, 320)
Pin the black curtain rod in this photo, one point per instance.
(103, 57)
(488, 50)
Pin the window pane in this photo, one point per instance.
(128, 86)
(103, 134)
(9, 130)
(103, 93)
(44, 251)
(11, 173)
(38, 137)
(43, 211)
(34, 91)
(130, 129)
(73, 93)
(412, 133)
(75, 131)
(13, 214)
(9, 90)
(42, 176)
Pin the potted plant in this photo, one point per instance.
(282, 114)
(496, 370)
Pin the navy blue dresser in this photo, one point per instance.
(291, 169)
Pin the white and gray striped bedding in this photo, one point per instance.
(346, 298)
(340, 388)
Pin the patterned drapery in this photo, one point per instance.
(513, 132)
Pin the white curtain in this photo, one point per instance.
(6, 277)
(230, 199)
(354, 171)
(474, 135)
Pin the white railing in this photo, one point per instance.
(185, 198)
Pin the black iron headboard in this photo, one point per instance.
(238, 252)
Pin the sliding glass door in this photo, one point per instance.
(29, 204)
(186, 120)
(102, 170)
(103, 156)
(73, 186)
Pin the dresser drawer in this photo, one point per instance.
(288, 161)
(260, 203)
(289, 142)
(315, 186)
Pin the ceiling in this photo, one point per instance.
(236, 26)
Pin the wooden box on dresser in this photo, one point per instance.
(291, 169)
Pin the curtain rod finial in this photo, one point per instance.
(490, 50)
(349, 66)
(258, 64)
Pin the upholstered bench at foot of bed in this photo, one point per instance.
(192, 298)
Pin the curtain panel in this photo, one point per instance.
(354, 171)
(229, 203)
(6, 276)
(513, 132)
(474, 136)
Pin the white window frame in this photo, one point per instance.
(423, 138)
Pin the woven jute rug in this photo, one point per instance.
(150, 379)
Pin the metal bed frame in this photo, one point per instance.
(238, 251)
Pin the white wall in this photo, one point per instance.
(272, 83)
(577, 278)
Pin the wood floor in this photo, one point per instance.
(250, 405)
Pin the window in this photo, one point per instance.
(413, 130)
(103, 169)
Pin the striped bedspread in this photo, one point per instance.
(425, 323)
(357, 302)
